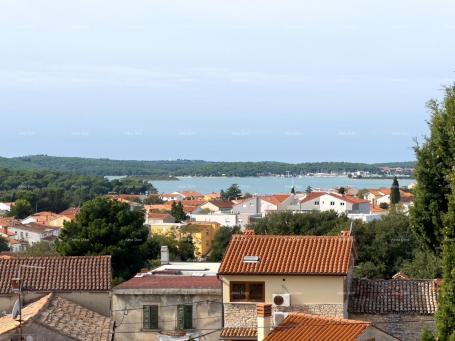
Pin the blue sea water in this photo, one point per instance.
(269, 185)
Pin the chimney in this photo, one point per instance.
(164, 255)
(345, 233)
(264, 315)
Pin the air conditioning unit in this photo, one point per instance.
(281, 300)
(278, 317)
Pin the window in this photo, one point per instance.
(184, 317)
(247, 291)
(316, 202)
(332, 203)
(342, 203)
(150, 317)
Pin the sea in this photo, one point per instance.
(270, 184)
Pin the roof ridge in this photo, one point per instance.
(329, 318)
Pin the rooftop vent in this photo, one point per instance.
(251, 259)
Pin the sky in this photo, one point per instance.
(293, 81)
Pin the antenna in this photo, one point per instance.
(350, 228)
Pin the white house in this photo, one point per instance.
(6, 206)
(224, 219)
(33, 232)
(326, 201)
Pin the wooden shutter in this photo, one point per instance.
(146, 317)
(188, 316)
(153, 317)
(180, 317)
(150, 317)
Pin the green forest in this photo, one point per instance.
(160, 169)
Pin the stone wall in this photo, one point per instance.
(240, 315)
(244, 314)
(333, 310)
(406, 327)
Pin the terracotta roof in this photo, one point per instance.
(191, 194)
(8, 324)
(9, 221)
(75, 321)
(171, 281)
(393, 296)
(322, 255)
(227, 333)
(34, 227)
(70, 212)
(306, 327)
(159, 216)
(377, 209)
(64, 317)
(222, 203)
(349, 198)
(275, 199)
(311, 196)
(84, 273)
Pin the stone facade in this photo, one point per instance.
(406, 327)
(244, 314)
(240, 315)
(331, 310)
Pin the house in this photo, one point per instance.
(66, 215)
(42, 218)
(192, 195)
(294, 273)
(5, 207)
(202, 234)
(166, 229)
(55, 318)
(214, 206)
(176, 301)
(212, 196)
(261, 205)
(307, 327)
(326, 201)
(84, 280)
(382, 196)
(33, 232)
(158, 218)
(224, 219)
(402, 307)
(175, 196)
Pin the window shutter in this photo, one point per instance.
(188, 316)
(153, 317)
(180, 317)
(146, 317)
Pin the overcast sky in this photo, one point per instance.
(222, 80)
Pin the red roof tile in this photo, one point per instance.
(70, 212)
(369, 296)
(239, 333)
(171, 281)
(85, 273)
(311, 196)
(322, 255)
(275, 199)
(306, 327)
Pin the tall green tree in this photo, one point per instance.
(445, 316)
(21, 209)
(177, 212)
(395, 192)
(435, 162)
(232, 192)
(221, 241)
(309, 189)
(107, 227)
(186, 249)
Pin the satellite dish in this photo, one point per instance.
(16, 309)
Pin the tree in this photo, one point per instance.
(3, 244)
(153, 199)
(308, 190)
(425, 264)
(445, 316)
(384, 205)
(293, 190)
(221, 241)
(21, 209)
(186, 249)
(383, 246)
(342, 190)
(435, 161)
(177, 212)
(107, 227)
(233, 192)
(40, 249)
(395, 192)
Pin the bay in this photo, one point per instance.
(270, 185)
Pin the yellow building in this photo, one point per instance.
(202, 234)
